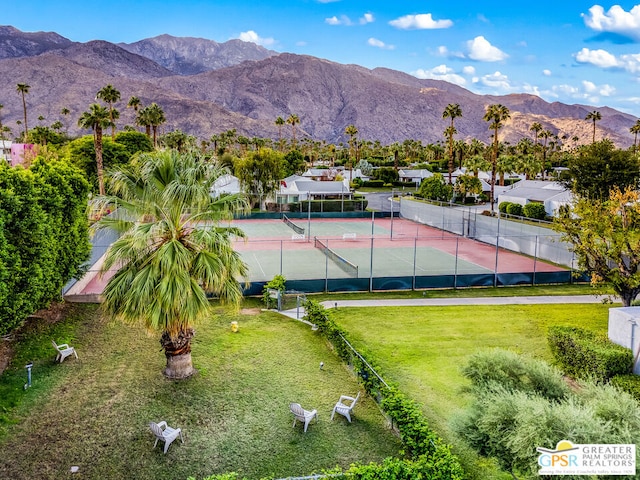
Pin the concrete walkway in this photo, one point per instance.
(298, 313)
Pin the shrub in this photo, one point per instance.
(514, 209)
(502, 207)
(535, 210)
(629, 383)
(277, 283)
(585, 354)
(373, 183)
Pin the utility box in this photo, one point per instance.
(624, 330)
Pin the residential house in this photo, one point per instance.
(551, 194)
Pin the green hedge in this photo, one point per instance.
(373, 183)
(585, 354)
(356, 205)
(429, 456)
(629, 383)
(515, 209)
(534, 210)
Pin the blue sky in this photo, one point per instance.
(570, 51)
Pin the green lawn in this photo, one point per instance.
(94, 412)
(422, 348)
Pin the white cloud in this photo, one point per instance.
(546, 72)
(586, 92)
(469, 70)
(253, 37)
(603, 59)
(481, 50)
(374, 42)
(599, 58)
(344, 20)
(367, 18)
(497, 81)
(615, 20)
(441, 72)
(422, 21)
(443, 51)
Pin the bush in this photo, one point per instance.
(502, 207)
(535, 210)
(277, 283)
(629, 383)
(514, 209)
(585, 354)
(373, 183)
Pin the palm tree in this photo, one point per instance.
(23, 89)
(635, 129)
(151, 118)
(280, 123)
(65, 112)
(352, 131)
(110, 95)
(1, 107)
(536, 128)
(476, 163)
(496, 114)
(594, 117)
(173, 250)
(96, 118)
(135, 103)
(293, 120)
(452, 111)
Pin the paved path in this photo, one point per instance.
(426, 302)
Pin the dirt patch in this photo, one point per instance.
(250, 311)
(5, 354)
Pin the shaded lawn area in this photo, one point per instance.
(94, 412)
(423, 348)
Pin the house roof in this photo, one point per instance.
(535, 190)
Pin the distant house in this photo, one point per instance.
(414, 176)
(551, 194)
(296, 188)
(5, 150)
(226, 184)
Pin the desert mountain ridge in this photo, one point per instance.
(205, 88)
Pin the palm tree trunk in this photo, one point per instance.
(178, 353)
(99, 162)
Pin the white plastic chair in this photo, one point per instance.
(63, 350)
(343, 408)
(165, 433)
(302, 415)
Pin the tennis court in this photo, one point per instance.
(355, 254)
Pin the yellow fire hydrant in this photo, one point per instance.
(234, 327)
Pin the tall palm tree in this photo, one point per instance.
(96, 118)
(23, 89)
(110, 95)
(280, 123)
(173, 250)
(452, 111)
(635, 130)
(293, 120)
(352, 131)
(143, 119)
(536, 128)
(594, 117)
(65, 113)
(135, 103)
(1, 131)
(496, 114)
(156, 118)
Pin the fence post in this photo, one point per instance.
(455, 271)
(415, 256)
(371, 263)
(535, 261)
(281, 256)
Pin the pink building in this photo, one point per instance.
(22, 153)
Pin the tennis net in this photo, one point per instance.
(293, 226)
(342, 262)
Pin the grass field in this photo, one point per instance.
(94, 412)
(423, 348)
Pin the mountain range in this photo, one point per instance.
(206, 88)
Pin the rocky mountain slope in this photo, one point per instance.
(246, 87)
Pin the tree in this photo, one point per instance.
(173, 251)
(435, 188)
(605, 236)
(599, 167)
(156, 118)
(352, 131)
(96, 118)
(467, 185)
(259, 174)
(110, 95)
(635, 130)
(293, 163)
(452, 111)
(65, 113)
(23, 89)
(496, 115)
(134, 142)
(477, 163)
(594, 116)
(293, 120)
(279, 122)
